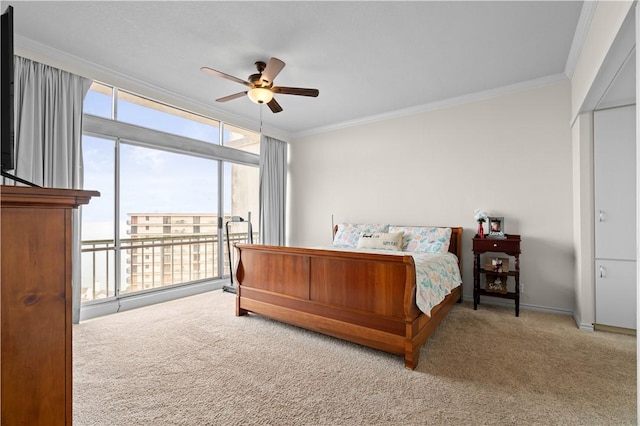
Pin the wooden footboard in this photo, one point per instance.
(363, 298)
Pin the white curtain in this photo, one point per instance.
(48, 138)
(273, 190)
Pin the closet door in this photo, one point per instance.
(615, 216)
(616, 293)
(615, 183)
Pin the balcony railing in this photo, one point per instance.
(148, 263)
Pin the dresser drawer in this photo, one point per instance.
(509, 245)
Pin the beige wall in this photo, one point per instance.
(510, 155)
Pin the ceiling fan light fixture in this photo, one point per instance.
(260, 95)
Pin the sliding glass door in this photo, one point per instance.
(169, 205)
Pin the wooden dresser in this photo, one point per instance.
(35, 304)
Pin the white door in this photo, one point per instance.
(615, 216)
(615, 182)
(616, 293)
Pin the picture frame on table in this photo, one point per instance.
(496, 227)
(497, 264)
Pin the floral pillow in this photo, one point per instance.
(424, 239)
(348, 234)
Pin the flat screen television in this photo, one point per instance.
(6, 83)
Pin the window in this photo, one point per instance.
(242, 201)
(156, 222)
(238, 138)
(155, 115)
(98, 254)
(99, 101)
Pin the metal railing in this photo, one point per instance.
(149, 262)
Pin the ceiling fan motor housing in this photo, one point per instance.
(255, 79)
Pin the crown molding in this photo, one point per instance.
(433, 106)
(582, 29)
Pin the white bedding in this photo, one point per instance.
(436, 274)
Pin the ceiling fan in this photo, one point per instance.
(261, 88)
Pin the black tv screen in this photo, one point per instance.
(6, 83)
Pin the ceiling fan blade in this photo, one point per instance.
(231, 97)
(223, 75)
(296, 91)
(274, 106)
(272, 69)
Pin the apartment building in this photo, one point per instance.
(178, 248)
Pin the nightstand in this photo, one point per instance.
(496, 274)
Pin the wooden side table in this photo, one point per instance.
(509, 246)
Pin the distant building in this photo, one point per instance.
(183, 248)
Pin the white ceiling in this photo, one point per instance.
(367, 58)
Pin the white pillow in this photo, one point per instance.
(381, 240)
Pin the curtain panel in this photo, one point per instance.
(48, 138)
(273, 190)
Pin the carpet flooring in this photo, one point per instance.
(193, 362)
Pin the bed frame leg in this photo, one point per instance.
(239, 311)
(411, 356)
(411, 359)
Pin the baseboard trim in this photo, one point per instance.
(582, 326)
(614, 329)
(509, 304)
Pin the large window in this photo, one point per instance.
(169, 181)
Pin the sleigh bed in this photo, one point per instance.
(363, 295)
